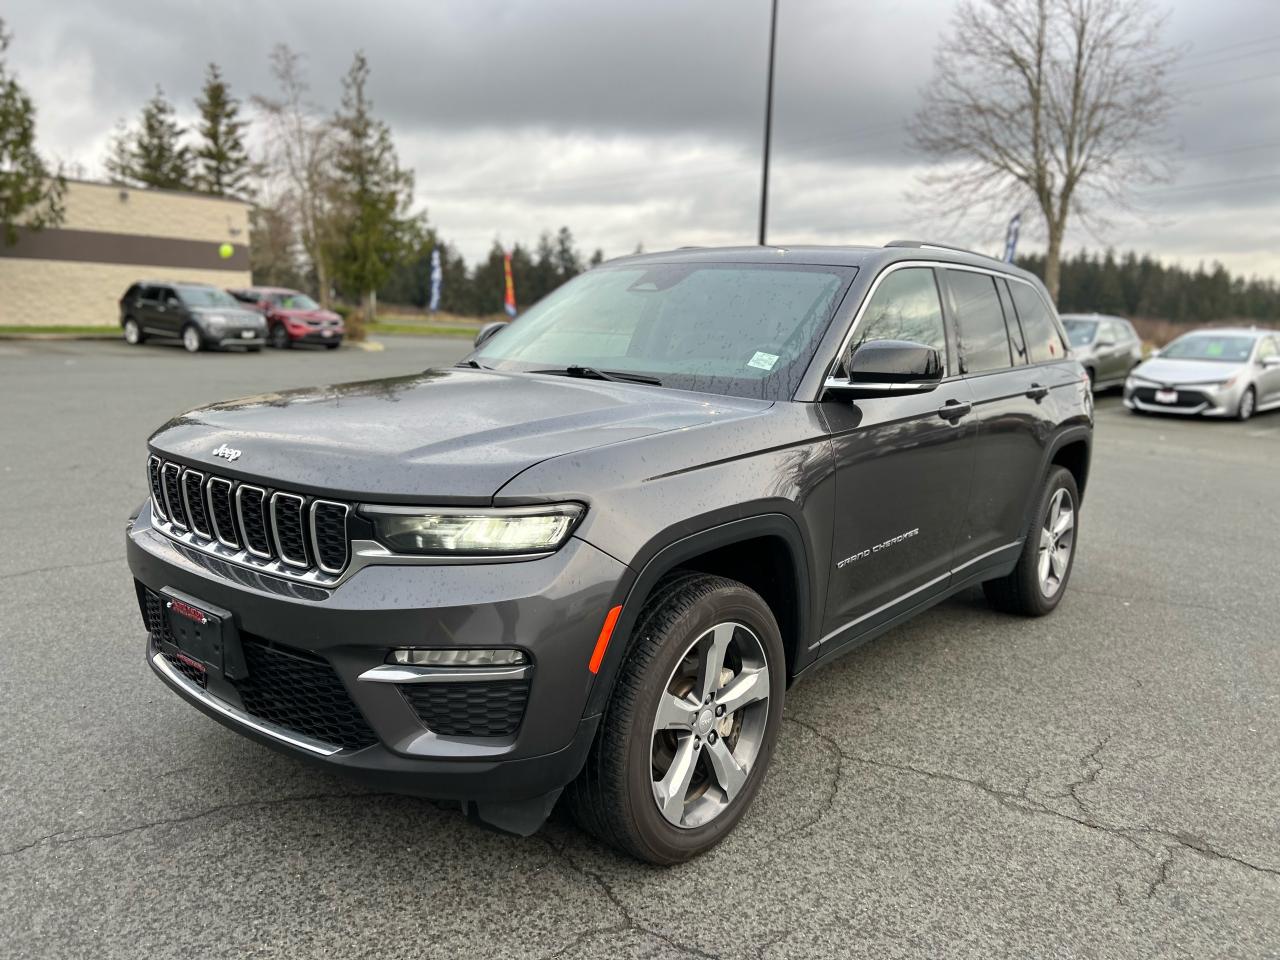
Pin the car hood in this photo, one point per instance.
(327, 315)
(1169, 371)
(449, 436)
(236, 316)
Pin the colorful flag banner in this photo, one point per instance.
(437, 280)
(509, 301)
(1011, 237)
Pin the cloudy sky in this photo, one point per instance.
(639, 122)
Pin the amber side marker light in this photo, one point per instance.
(602, 642)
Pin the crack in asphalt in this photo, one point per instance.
(1158, 601)
(828, 801)
(629, 922)
(60, 838)
(54, 569)
(1023, 802)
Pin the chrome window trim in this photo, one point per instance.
(407, 673)
(262, 496)
(828, 380)
(275, 529)
(213, 514)
(155, 461)
(164, 488)
(225, 709)
(186, 501)
(315, 543)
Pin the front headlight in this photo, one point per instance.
(480, 531)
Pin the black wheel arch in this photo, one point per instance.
(706, 550)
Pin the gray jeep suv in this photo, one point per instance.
(593, 556)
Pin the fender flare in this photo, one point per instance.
(676, 550)
(1070, 434)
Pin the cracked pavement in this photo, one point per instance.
(1104, 782)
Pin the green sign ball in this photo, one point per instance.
(226, 251)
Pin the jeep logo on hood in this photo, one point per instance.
(227, 453)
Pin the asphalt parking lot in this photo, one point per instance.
(1104, 782)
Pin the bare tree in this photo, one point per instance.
(1060, 103)
(299, 152)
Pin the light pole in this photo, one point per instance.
(768, 123)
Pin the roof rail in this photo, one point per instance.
(929, 244)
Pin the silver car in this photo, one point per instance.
(1108, 347)
(1229, 372)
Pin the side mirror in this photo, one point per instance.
(1271, 362)
(884, 368)
(1103, 344)
(487, 331)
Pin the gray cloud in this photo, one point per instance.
(634, 122)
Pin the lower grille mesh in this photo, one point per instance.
(469, 709)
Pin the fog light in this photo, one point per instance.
(500, 657)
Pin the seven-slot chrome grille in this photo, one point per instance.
(273, 530)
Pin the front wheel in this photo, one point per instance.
(1038, 582)
(691, 724)
(280, 337)
(191, 339)
(1248, 404)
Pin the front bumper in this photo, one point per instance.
(324, 335)
(551, 608)
(238, 337)
(1192, 400)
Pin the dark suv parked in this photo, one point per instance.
(198, 314)
(597, 552)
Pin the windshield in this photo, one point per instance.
(1080, 332)
(294, 301)
(747, 330)
(1228, 348)
(206, 297)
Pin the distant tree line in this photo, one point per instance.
(1140, 286)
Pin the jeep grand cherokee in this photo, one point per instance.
(593, 556)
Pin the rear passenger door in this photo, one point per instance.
(1012, 427)
(168, 312)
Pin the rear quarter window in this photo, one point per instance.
(1040, 332)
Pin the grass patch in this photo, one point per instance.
(419, 329)
(20, 331)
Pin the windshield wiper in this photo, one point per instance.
(592, 373)
(473, 364)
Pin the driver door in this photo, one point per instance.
(903, 470)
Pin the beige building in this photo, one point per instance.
(75, 274)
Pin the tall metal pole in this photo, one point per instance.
(768, 124)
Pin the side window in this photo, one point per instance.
(1127, 333)
(1011, 324)
(167, 296)
(1108, 333)
(905, 306)
(1268, 348)
(1043, 341)
(147, 293)
(984, 343)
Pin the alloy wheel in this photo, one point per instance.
(191, 340)
(1247, 404)
(710, 725)
(1057, 539)
(131, 332)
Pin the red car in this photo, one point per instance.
(293, 317)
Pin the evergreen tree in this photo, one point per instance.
(153, 155)
(222, 162)
(30, 195)
(567, 259)
(371, 193)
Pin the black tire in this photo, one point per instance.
(280, 337)
(1248, 404)
(192, 339)
(612, 798)
(257, 348)
(332, 346)
(136, 337)
(1022, 592)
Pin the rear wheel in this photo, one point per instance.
(133, 334)
(1038, 582)
(690, 727)
(1248, 404)
(280, 337)
(192, 342)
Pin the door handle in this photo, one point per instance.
(953, 410)
(1037, 392)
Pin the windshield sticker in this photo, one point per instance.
(763, 361)
(1215, 349)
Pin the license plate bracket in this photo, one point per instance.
(204, 632)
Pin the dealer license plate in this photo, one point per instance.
(247, 334)
(1166, 396)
